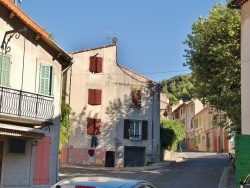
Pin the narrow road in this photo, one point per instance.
(198, 169)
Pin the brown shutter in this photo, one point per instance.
(136, 98)
(144, 130)
(92, 64)
(98, 64)
(91, 96)
(90, 126)
(126, 128)
(97, 126)
(98, 97)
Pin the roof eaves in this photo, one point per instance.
(35, 27)
(95, 48)
(235, 3)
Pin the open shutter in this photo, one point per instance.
(97, 126)
(98, 64)
(92, 64)
(126, 128)
(42, 162)
(52, 81)
(5, 70)
(98, 97)
(90, 126)
(91, 96)
(44, 85)
(144, 130)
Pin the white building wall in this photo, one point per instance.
(116, 84)
(245, 68)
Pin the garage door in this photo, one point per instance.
(134, 156)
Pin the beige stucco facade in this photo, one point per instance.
(115, 83)
(26, 56)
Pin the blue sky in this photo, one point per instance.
(150, 33)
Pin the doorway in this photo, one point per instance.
(110, 159)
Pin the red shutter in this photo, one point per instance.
(98, 97)
(97, 126)
(42, 162)
(92, 64)
(90, 126)
(126, 128)
(91, 96)
(144, 130)
(98, 64)
(136, 98)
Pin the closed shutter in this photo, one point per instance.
(90, 126)
(126, 128)
(98, 97)
(136, 98)
(92, 64)
(52, 81)
(98, 64)
(144, 130)
(5, 70)
(45, 76)
(42, 162)
(91, 96)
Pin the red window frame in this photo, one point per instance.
(93, 126)
(94, 96)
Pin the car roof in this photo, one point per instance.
(100, 182)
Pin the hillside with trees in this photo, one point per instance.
(178, 87)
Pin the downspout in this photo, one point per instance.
(152, 139)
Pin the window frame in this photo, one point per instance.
(136, 98)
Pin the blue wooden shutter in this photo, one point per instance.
(5, 70)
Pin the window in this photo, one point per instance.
(135, 129)
(93, 126)
(5, 62)
(95, 97)
(95, 64)
(136, 98)
(46, 84)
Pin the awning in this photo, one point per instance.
(20, 131)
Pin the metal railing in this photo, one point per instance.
(22, 103)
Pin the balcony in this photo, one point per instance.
(25, 107)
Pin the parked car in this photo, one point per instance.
(101, 182)
(246, 182)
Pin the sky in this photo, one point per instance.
(150, 33)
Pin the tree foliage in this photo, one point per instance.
(213, 55)
(64, 122)
(178, 87)
(171, 131)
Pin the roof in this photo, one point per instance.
(44, 35)
(235, 3)
(95, 48)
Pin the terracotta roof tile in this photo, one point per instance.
(34, 27)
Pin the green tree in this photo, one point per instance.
(64, 122)
(178, 87)
(171, 132)
(214, 58)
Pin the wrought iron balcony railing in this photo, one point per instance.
(21, 103)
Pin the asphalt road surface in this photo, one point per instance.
(197, 169)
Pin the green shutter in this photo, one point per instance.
(45, 79)
(5, 70)
(52, 81)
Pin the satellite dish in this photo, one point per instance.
(114, 40)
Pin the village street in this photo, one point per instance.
(194, 170)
